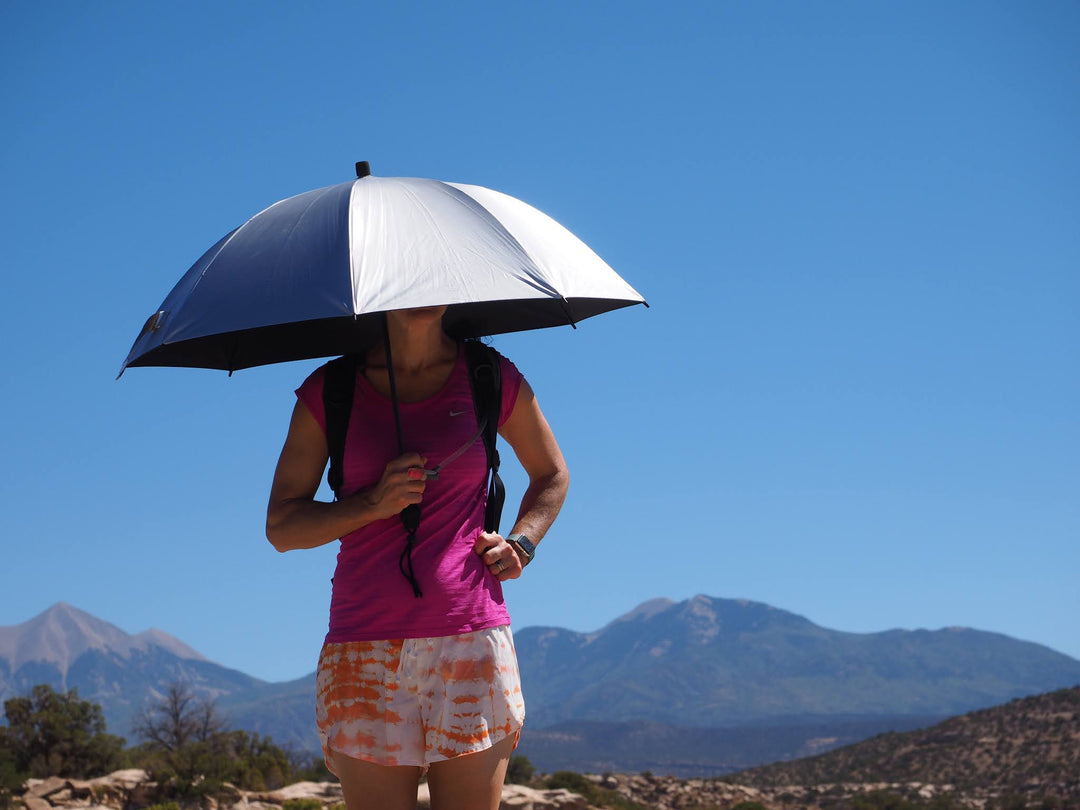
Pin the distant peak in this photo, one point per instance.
(66, 610)
(646, 610)
(653, 606)
(61, 633)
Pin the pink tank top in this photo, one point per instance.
(371, 599)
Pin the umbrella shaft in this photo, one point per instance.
(393, 384)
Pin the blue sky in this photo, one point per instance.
(854, 396)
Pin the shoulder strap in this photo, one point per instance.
(485, 378)
(339, 383)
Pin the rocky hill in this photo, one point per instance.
(1029, 746)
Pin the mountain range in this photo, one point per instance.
(732, 674)
(70, 649)
(722, 662)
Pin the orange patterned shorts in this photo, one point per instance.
(418, 700)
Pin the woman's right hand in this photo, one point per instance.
(295, 520)
(401, 484)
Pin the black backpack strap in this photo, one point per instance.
(339, 383)
(485, 378)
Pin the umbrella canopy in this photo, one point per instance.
(305, 277)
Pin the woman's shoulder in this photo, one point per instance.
(310, 393)
(510, 382)
(313, 383)
(509, 370)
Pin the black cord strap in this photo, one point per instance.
(410, 515)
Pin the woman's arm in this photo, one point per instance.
(294, 519)
(529, 434)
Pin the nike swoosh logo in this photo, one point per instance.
(456, 413)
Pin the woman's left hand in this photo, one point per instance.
(498, 555)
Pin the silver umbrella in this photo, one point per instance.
(305, 277)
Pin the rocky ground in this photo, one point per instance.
(669, 793)
(130, 789)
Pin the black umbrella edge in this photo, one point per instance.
(330, 337)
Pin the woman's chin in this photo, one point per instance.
(431, 312)
(418, 315)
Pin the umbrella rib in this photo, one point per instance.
(566, 309)
(296, 222)
(535, 277)
(224, 244)
(234, 347)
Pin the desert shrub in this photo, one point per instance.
(574, 782)
(614, 801)
(881, 800)
(11, 778)
(53, 733)
(197, 769)
(188, 752)
(190, 756)
(594, 795)
(520, 771)
(308, 768)
(950, 803)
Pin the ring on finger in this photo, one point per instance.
(499, 566)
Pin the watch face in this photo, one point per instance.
(522, 542)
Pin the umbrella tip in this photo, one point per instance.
(363, 168)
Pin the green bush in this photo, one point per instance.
(11, 778)
(594, 795)
(574, 782)
(56, 734)
(197, 769)
(881, 800)
(520, 771)
(307, 768)
(302, 804)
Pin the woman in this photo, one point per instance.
(411, 685)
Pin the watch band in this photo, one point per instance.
(523, 546)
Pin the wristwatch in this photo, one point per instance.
(525, 549)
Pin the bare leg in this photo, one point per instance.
(376, 787)
(471, 781)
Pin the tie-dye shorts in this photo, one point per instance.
(419, 700)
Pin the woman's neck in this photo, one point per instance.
(417, 344)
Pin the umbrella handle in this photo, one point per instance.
(410, 517)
